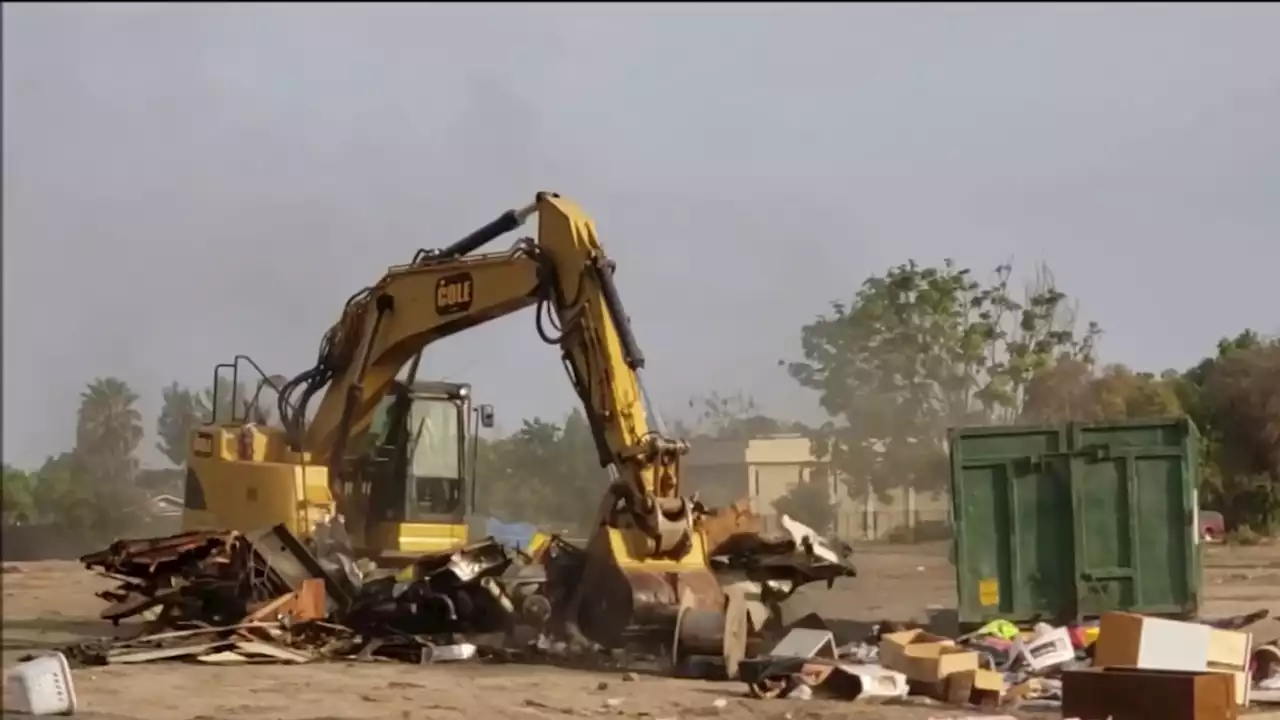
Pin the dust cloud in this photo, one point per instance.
(183, 183)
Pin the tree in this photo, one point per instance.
(1120, 393)
(91, 490)
(920, 349)
(19, 502)
(1070, 391)
(68, 495)
(1191, 388)
(810, 502)
(55, 480)
(109, 430)
(1210, 392)
(731, 417)
(544, 473)
(1061, 393)
(181, 412)
(583, 481)
(1241, 401)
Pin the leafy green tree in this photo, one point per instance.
(180, 413)
(82, 503)
(544, 473)
(1061, 393)
(1071, 391)
(56, 480)
(810, 502)
(1121, 393)
(1227, 484)
(19, 502)
(730, 417)
(920, 349)
(1241, 403)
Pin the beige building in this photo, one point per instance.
(765, 469)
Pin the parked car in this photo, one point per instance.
(1212, 528)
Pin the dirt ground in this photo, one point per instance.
(51, 604)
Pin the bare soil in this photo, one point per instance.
(51, 604)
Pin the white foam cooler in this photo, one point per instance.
(40, 686)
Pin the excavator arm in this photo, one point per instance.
(565, 273)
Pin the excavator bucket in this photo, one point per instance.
(674, 603)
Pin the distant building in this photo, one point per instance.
(762, 468)
(765, 468)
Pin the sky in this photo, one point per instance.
(183, 183)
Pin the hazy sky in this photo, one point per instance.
(185, 182)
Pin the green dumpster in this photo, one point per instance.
(1059, 523)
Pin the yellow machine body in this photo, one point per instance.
(648, 553)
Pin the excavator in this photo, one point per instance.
(322, 476)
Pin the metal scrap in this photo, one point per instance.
(262, 596)
(228, 597)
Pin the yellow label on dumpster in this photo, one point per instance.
(989, 592)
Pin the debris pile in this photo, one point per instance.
(1092, 669)
(225, 597)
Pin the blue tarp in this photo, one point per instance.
(518, 534)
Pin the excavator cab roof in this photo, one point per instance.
(439, 388)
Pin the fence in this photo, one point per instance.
(27, 543)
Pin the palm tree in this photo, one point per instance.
(109, 428)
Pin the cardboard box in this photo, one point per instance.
(984, 688)
(1230, 653)
(1135, 641)
(923, 657)
(1133, 694)
(1052, 648)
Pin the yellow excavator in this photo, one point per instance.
(319, 476)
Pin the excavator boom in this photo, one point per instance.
(567, 276)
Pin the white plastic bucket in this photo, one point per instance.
(41, 686)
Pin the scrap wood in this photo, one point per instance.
(270, 608)
(195, 643)
(225, 657)
(193, 632)
(137, 656)
(244, 647)
(230, 598)
(257, 647)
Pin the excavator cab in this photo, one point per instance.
(406, 486)
(415, 479)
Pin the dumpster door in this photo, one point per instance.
(1134, 517)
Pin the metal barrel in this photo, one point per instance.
(712, 633)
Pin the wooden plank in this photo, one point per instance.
(255, 647)
(175, 634)
(271, 609)
(309, 600)
(165, 653)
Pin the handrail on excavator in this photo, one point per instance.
(273, 380)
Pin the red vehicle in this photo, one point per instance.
(1212, 528)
